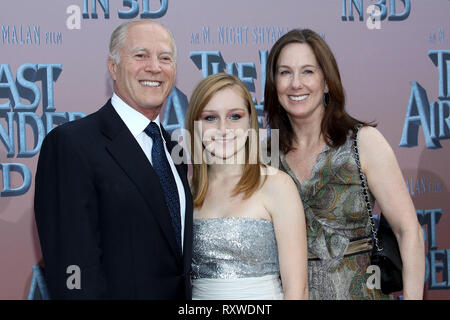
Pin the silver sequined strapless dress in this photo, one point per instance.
(235, 258)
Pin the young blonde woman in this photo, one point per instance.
(249, 225)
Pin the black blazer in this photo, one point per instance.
(99, 205)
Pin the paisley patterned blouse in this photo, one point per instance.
(335, 215)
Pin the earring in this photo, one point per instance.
(326, 99)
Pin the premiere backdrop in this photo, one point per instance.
(394, 57)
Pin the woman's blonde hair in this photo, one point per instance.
(205, 90)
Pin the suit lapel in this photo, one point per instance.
(128, 154)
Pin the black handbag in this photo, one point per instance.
(385, 253)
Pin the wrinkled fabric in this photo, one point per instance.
(335, 214)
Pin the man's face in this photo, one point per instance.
(146, 72)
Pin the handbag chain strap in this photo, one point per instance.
(365, 189)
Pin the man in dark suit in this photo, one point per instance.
(113, 209)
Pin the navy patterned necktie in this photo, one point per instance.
(162, 167)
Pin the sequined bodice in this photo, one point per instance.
(234, 247)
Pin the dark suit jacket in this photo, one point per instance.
(99, 206)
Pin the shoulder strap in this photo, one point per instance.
(365, 187)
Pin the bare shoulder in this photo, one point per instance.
(276, 181)
(280, 194)
(370, 136)
(374, 148)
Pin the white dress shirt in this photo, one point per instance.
(136, 123)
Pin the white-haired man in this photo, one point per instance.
(109, 199)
